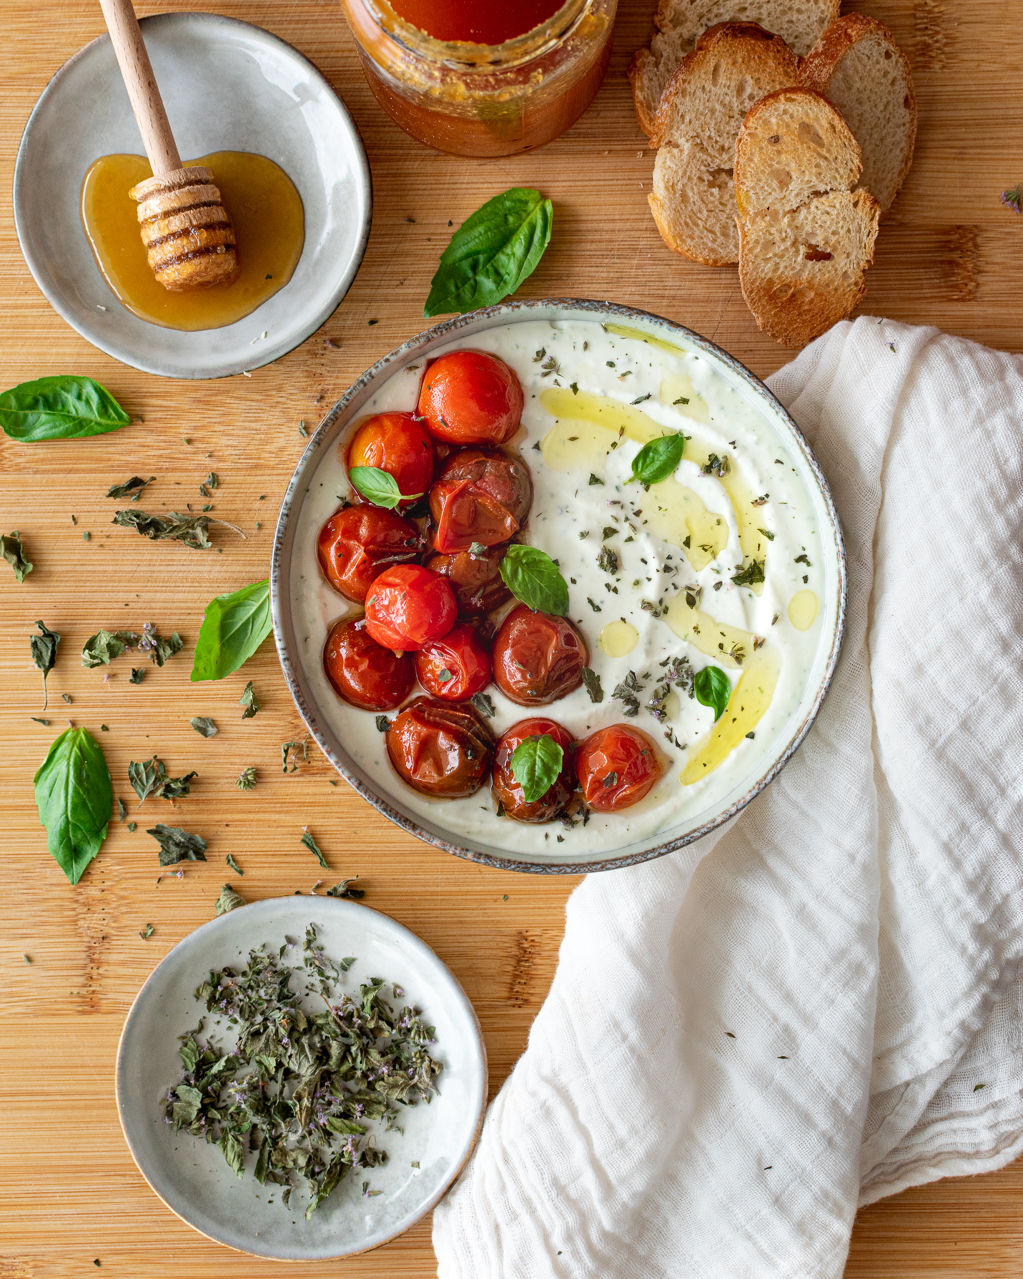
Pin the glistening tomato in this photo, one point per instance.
(407, 606)
(364, 673)
(507, 791)
(358, 542)
(440, 748)
(455, 667)
(537, 657)
(475, 578)
(617, 766)
(400, 444)
(470, 397)
(481, 497)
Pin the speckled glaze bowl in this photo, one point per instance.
(307, 690)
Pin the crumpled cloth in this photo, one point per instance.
(821, 1004)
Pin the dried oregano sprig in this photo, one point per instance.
(299, 1088)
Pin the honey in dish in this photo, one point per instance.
(262, 203)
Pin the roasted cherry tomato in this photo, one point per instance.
(480, 497)
(362, 672)
(475, 579)
(537, 657)
(400, 444)
(616, 766)
(455, 667)
(358, 542)
(506, 789)
(407, 606)
(469, 397)
(440, 748)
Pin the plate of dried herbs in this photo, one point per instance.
(301, 1078)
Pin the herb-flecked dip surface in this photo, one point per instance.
(702, 568)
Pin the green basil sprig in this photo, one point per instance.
(492, 252)
(74, 797)
(378, 486)
(535, 765)
(233, 627)
(65, 407)
(657, 459)
(712, 688)
(533, 577)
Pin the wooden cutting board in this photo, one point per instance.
(71, 1200)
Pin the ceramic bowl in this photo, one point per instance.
(228, 86)
(193, 1178)
(358, 753)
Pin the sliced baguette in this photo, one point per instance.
(679, 23)
(806, 237)
(858, 66)
(697, 123)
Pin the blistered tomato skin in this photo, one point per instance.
(363, 673)
(480, 497)
(456, 667)
(537, 657)
(470, 397)
(407, 606)
(475, 579)
(400, 444)
(440, 748)
(507, 791)
(358, 542)
(617, 766)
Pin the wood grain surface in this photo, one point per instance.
(70, 1196)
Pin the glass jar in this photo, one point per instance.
(478, 99)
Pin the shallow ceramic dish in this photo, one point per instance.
(228, 86)
(605, 353)
(193, 1178)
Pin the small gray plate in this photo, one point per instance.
(227, 86)
(193, 1178)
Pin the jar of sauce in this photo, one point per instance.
(483, 77)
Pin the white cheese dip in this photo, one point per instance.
(638, 563)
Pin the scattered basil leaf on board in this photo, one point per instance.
(229, 899)
(14, 553)
(533, 577)
(44, 653)
(657, 459)
(535, 765)
(233, 627)
(74, 796)
(59, 408)
(712, 687)
(177, 845)
(193, 530)
(378, 486)
(492, 252)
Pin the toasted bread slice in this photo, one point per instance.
(806, 237)
(699, 117)
(679, 23)
(858, 66)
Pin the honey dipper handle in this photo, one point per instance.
(137, 72)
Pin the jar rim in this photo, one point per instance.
(466, 56)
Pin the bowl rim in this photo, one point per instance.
(267, 907)
(486, 318)
(120, 348)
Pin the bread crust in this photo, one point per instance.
(821, 63)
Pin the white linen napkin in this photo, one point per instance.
(822, 1004)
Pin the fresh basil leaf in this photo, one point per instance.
(177, 845)
(378, 486)
(233, 627)
(533, 577)
(535, 765)
(74, 797)
(712, 687)
(14, 553)
(492, 252)
(59, 408)
(657, 459)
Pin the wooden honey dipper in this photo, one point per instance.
(189, 239)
